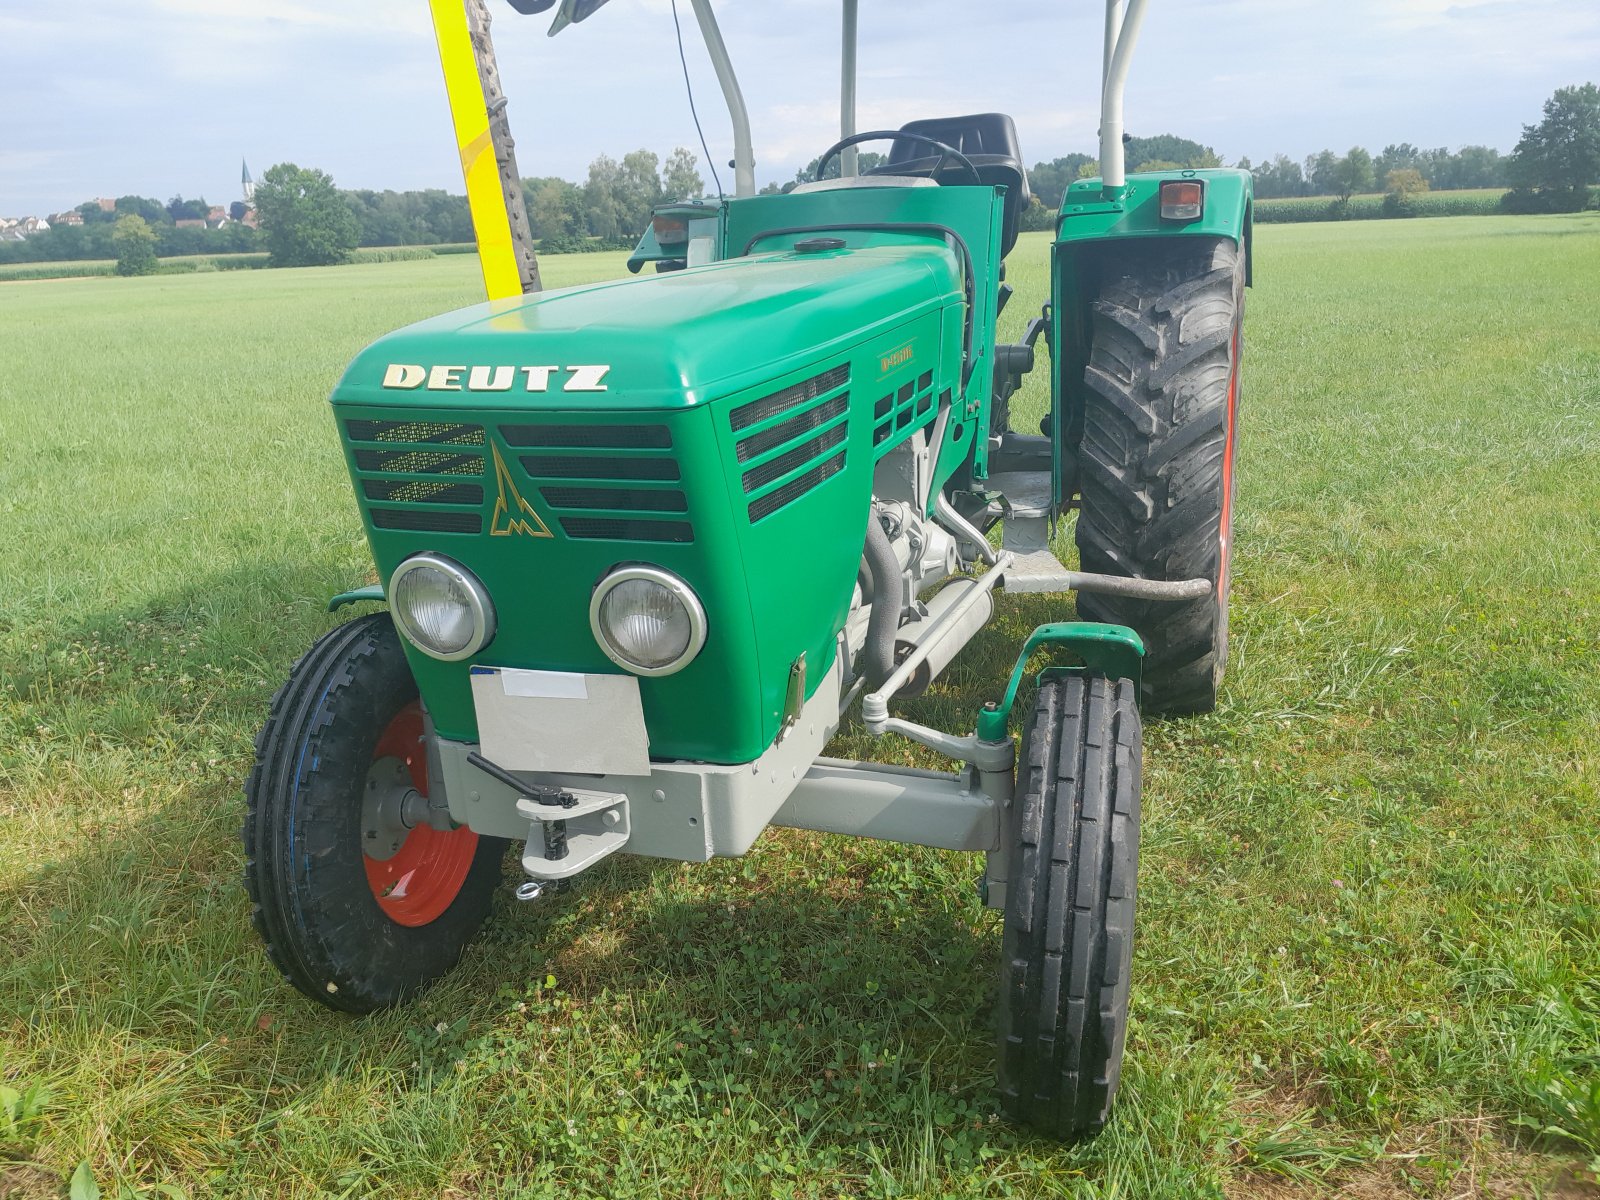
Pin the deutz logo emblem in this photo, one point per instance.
(512, 514)
(409, 376)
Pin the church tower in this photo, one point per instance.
(248, 183)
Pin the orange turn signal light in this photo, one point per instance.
(670, 231)
(1182, 199)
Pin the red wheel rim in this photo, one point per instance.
(424, 877)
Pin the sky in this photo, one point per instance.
(164, 97)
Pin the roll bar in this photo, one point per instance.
(1122, 31)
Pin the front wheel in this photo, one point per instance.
(361, 901)
(1073, 844)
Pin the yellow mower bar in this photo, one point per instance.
(494, 194)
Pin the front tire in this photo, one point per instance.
(1161, 397)
(1067, 948)
(354, 931)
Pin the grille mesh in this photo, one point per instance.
(803, 453)
(766, 505)
(797, 394)
(419, 462)
(438, 432)
(425, 520)
(589, 437)
(572, 466)
(422, 491)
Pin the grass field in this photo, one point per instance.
(1369, 944)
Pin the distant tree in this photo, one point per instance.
(93, 214)
(1405, 183)
(1279, 176)
(1169, 148)
(1402, 156)
(1471, 167)
(305, 219)
(135, 243)
(1556, 160)
(771, 189)
(1319, 172)
(1400, 186)
(153, 211)
(555, 207)
(639, 190)
(237, 210)
(601, 198)
(1049, 180)
(1157, 165)
(1038, 216)
(680, 176)
(1351, 174)
(180, 209)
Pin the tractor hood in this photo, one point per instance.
(663, 341)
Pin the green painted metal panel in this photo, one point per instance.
(733, 446)
(1086, 214)
(974, 214)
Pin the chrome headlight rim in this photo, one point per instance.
(680, 590)
(478, 602)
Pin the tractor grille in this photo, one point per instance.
(792, 440)
(901, 411)
(616, 483)
(427, 476)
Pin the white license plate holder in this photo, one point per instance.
(560, 721)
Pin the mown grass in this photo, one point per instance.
(1369, 926)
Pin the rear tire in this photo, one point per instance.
(1067, 949)
(1156, 459)
(338, 928)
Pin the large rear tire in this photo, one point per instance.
(354, 930)
(1161, 402)
(1067, 948)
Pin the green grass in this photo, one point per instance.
(1370, 903)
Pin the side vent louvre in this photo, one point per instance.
(792, 441)
(790, 397)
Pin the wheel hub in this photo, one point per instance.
(391, 807)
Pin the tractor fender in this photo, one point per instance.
(1114, 651)
(373, 591)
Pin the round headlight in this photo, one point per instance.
(647, 620)
(440, 607)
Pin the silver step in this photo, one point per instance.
(1026, 532)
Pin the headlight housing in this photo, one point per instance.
(648, 621)
(440, 607)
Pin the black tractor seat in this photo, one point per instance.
(989, 140)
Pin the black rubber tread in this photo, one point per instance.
(1153, 457)
(302, 832)
(1067, 949)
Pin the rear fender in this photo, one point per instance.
(1089, 231)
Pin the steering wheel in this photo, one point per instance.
(877, 135)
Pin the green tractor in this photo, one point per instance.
(644, 544)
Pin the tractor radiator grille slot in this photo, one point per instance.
(425, 520)
(617, 529)
(435, 432)
(909, 407)
(797, 426)
(419, 462)
(422, 491)
(790, 397)
(625, 499)
(758, 477)
(766, 505)
(573, 466)
(589, 437)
